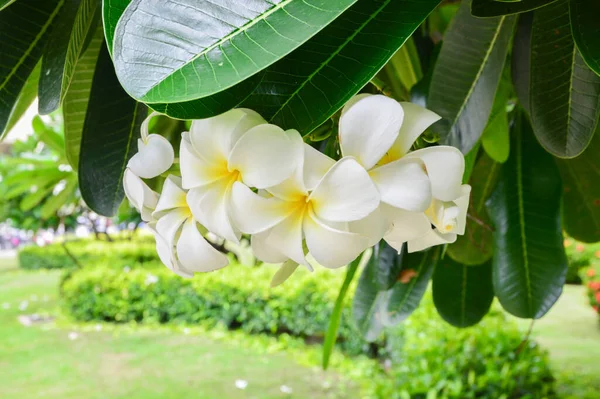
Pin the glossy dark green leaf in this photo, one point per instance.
(476, 245)
(496, 138)
(65, 45)
(24, 28)
(462, 294)
(466, 76)
(521, 59)
(26, 96)
(108, 141)
(389, 264)
(111, 12)
(5, 3)
(496, 8)
(405, 296)
(586, 30)
(529, 263)
(564, 91)
(581, 191)
(76, 101)
(175, 51)
(309, 85)
(336, 315)
(369, 302)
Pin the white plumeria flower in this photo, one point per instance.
(237, 146)
(313, 206)
(155, 154)
(179, 244)
(142, 197)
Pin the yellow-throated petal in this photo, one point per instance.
(172, 196)
(286, 236)
(195, 172)
(195, 254)
(316, 165)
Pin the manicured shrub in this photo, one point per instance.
(581, 256)
(591, 279)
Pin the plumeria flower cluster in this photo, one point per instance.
(241, 175)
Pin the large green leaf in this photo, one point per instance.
(529, 264)
(5, 3)
(496, 138)
(521, 59)
(24, 28)
(76, 101)
(586, 30)
(368, 303)
(476, 245)
(168, 51)
(62, 52)
(495, 8)
(389, 264)
(466, 76)
(26, 97)
(111, 12)
(462, 294)
(108, 141)
(305, 88)
(581, 181)
(564, 91)
(54, 203)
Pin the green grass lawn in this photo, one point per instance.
(42, 361)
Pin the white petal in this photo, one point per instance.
(195, 172)
(332, 248)
(445, 166)
(171, 197)
(144, 129)
(463, 205)
(210, 206)
(291, 189)
(374, 226)
(252, 213)
(139, 195)
(265, 252)
(168, 225)
(266, 155)
(354, 100)
(345, 193)
(168, 258)
(403, 184)
(405, 226)
(154, 157)
(283, 273)
(432, 238)
(316, 165)
(416, 120)
(369, 127)
(195, 253)
(213, 138)
(287, 237)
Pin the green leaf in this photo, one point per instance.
(34, 198)
(584, 24)
(5, 3)
(336, 315)
(529, 264)
(521, 59)
(54, 203)
(462, 294)
(581, 203)
(62, 52)
(108, 141)
(304, 89)
(495, 8)
(406, 295)
(466, 76)
(48, 136)
(389, 264)
(368, 303)
(111, 12)
(564, 92)
(76, 101)
(23, 35)
(25, 99)
(476, 245)
(160, 57)
(496, 138)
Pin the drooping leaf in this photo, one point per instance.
(496, 138)
(581, 191)
(529, 264)
(62, 52)
(584, 24)
(462, 294)
(564, 91)
(26, 96)
(305, 88)
(368, 303)
(108, 141)
(111, 12)
(496, 8)
(24, 28)
(466, 76)
(54, 203)
(76, 101)
(476, 245)
(179, 51)
(389, 264)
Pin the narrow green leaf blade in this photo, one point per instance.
(496, 138)
(5, 3)
(54, 203)
(305, 88)
(77, 98)
(159, 61)
(111, 129)
(496, 8)
(389, 264)
(529, 264)
(564, 92)
(111, 12)
(26, 96)
(466, 76)
(462, 294)
(24, 28)
(581, 203)
(586, 30)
